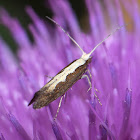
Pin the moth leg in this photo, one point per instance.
(65, 97)
(48, 76)
(58, 107)
(96, 90)
(45, 79)
(89, 73)
(86, 76)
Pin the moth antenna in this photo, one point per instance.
(72, 39)
(118, 28)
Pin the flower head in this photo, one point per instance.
(114, 68)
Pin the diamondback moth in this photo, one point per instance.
(67, 77)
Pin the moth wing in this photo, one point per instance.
(36, 96)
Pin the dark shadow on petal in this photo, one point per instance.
(1, 137)
(124, 134)
(56, 131)
(18, 127)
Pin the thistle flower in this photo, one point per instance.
(114, 71)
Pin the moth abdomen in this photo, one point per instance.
(36, 96)
(44, 99)
(58, 85)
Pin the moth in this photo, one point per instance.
(67, 77)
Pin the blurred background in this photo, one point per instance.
(16, 8)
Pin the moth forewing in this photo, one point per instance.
(60, 83)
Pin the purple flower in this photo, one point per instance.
(114, 69)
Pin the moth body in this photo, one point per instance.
(60, 83)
